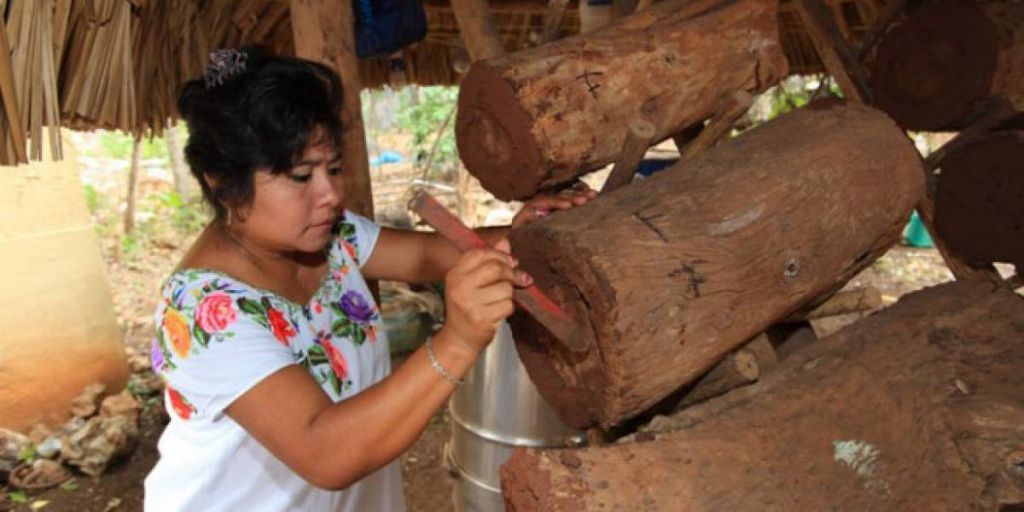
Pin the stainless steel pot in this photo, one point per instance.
(496, 410)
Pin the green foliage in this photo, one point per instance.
(70, 485)
(795, 92)
(116, 144)
(28, 453)
(92, 198)
(18, 496)
(422, 119)
(187, 215)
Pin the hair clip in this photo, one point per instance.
(222, 65)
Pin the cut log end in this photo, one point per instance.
(540, 350)
(931, 71)
(978, 205)
(492, 131)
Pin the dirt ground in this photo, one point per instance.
(428, 486)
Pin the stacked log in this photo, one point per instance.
(979, 202)
(674, 272)
(920, 407)
(934, 71)
(539, 118)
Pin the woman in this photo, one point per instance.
(269, 342)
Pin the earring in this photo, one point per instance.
(227, 222)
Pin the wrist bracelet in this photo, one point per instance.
(453, 380)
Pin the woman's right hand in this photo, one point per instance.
(478, 294)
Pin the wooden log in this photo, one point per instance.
(323, 31)
(932, 71)
(995, 112)
(979, 205)
(834, 51)
(892, 9)
(541, 117)
(917, 408)
(639, 136)
(674, 272)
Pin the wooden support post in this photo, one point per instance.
(834, 51)
(133, 186)
(324, 32)
(882, 22)
(744, 366)
(732, 107)
(638, 139)
(688, 135)
(478, 30)
(553, 19)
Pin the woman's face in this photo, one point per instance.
(294, 211)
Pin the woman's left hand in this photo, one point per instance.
(542, 206)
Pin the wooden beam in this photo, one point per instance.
(324, 32)
(732, 107)
(478, 29)
(834, 51)
(892, 9)
(553, 20)
(638, 139)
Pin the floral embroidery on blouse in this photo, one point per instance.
(203, 307)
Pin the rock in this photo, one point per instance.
(85, 404)
(39, 433)
(139, 363)
(121, 404)
(39, 474)
(99, 441)
(49, 448)
(12, 445)
(145, 384)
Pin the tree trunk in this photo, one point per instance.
(932, 72)
(541, 117)
(979, 205)
(920, 407)
(674, 272)
(184, 183)
(133, 186)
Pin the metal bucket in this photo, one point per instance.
(496, 410)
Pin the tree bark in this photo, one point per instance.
(541, 117)
(184, 183)
(933, 71)
(980, 199)
(917, 408)
(673, 272)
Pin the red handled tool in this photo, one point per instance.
(531, 298)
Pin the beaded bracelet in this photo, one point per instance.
(455, 381)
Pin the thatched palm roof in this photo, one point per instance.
(118, 63)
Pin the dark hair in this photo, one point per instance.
(260, 114)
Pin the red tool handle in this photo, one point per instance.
(531, 298)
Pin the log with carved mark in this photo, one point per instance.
(674, 272)
(933, 71)
(920, 407)
(541, 117)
